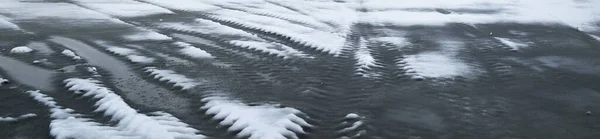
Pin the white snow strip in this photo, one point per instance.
(207, 27)
(595, 37)
(171, 77)
(256, 122)
(512, 44)
(268, 47)
(121, 51)
(363, 56)
(71, 54)
(112, 105)
(195, 52)
(66, 124)
(146, 35)
(14, 119)
(140, 59)
(434, 65)
(125, 9)
(21, 50)
(29, 11)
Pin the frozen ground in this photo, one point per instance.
(299, 69)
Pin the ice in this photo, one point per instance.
(124, 8)
(434, 65)
(171, 77)
(510, 43)
(14, 119)
(71, 54)
(256, 122)
(127, 118)
(21, 50)
(140, 59)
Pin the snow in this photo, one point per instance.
(146, 35)
(66, 124)
(255, 122)
(140, 59)
(572, 13)
(363, 56)
(195, 52)
(352, 116)
(268, 47)
(595, 37)
(127, 118)
(14, 119)
(125, 8)
(21, 50)
(71, 54)
(510, 43)
(2, 81)
(207, 27)
(396, 41)
(171, 77)
(121, 51)
(434, 65)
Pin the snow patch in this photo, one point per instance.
(2, 81)
(171, 77)
(195, 52)
(510, 43)
(121, 51)
(434, 65)
(71, 54)
(256, 122)
(21, 50)
(112, 105)
(14, 119)
(364, 60)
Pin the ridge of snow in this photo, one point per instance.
(255, 122)
(512, 44)
(191, 51)
(21, 50)
(171, 77)
(66, 124)
(595, 37)
(267, 47)
(130, 54)
(364, 60)
(204, 26)
(14, 119)
(146, 35)
(71, 54)
(112, 105)
(121, 51)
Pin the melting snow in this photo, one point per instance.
(14, 119)
(71, 54)
(146, 35)
(21, 50)
(171, 77)
(256, 122)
